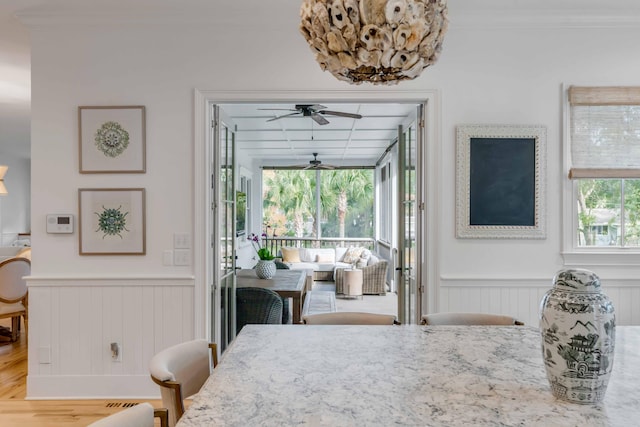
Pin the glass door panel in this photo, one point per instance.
(223, 292)
(409, 298)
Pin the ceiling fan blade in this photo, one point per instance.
(317, 107)
(341, 114)
(319, 119)
(285, 115)
(276, 109)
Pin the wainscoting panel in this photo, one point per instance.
(72, 323)
(521, 297)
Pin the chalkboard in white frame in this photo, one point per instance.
(501, 181)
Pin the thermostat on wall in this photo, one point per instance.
(60, 223)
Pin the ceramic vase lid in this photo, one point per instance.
(577, 280)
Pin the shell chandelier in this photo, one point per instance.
(376, 41)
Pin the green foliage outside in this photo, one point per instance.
(600, 207)
(346, 202)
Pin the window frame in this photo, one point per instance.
(574, 255)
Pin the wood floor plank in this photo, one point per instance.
(15, 411)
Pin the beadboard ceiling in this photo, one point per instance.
(292, 140)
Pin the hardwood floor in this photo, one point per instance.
(15, 411)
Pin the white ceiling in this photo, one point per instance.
(362, 140)
(292, 140)
(287, 141)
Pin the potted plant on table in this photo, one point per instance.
(266, 267)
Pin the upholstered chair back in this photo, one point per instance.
(180, 371)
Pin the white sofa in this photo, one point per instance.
(324, 262)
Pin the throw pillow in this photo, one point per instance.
(290, 254)
(324, 258)
(352, 255)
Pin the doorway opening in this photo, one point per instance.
(252, 134)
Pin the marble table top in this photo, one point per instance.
(409, 375)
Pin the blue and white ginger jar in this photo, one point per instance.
(577, 324)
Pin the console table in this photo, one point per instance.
(409, 375)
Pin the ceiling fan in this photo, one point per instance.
(315, 111)
(317, 164)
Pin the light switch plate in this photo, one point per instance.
(182, 257)
(181, 241)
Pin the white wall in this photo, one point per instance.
(505, 74)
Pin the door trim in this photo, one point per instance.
(204, 99)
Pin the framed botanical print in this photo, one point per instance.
(111, 221)
(112, 139)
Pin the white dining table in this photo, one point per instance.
(408, 375)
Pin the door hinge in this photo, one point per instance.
(421, 206)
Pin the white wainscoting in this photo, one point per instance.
(72, 322)
(521, 297)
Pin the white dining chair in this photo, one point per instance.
(349, 318)
(141, 415)
(180, 371)
(446, 318)
(13, 293)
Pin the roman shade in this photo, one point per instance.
(605, 132)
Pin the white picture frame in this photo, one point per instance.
(501, 181)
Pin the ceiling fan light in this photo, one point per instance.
(375, 41)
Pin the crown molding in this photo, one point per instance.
(532, 19)
(463, 14)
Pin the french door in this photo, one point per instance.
(408, 265)
(223, 283)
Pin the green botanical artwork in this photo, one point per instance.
(112, 139)
(112, 222)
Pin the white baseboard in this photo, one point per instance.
(77, 387)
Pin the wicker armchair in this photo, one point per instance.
(257, 306)
(374, 279)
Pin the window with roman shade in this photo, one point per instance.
(604, 151)
(605, 132)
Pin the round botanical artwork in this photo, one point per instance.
(112, 139)
(112, 222)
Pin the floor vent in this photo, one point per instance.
(120, 404)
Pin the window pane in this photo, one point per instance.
(347, 203)
(599, 203)
(289, 201)
(632, 212)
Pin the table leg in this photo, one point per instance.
(297, 309)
